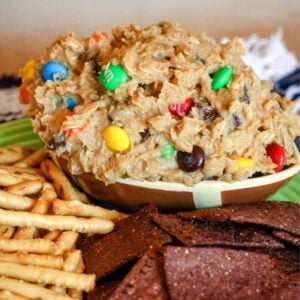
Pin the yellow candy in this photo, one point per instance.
(116, 138)
(243, 162)
(27, 72)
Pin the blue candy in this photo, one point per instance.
(53, 70)
(70, 103)
(297, 142)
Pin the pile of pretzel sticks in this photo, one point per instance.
(41, 216)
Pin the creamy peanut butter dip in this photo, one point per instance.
(184, 108)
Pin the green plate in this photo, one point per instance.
(20, 132)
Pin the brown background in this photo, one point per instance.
(28, 26)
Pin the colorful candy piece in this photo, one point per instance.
(25, 96)
(181, 109)
(54, 70)
(277, 155)
(297, 142)
(98, 36)
(221, 78)
(190, 162)
(112, 77)
(116, 138)
(243, 162)
(70, 103)
(168, 151)
(28, 71)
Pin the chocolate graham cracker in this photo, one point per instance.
(103, 291)
(278, 215)
(288, 289)
(234, 252)
(193, 233)
(146, 280)
(219, 273)
(130, 239)
(287, 237)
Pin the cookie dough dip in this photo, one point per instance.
(157, 104)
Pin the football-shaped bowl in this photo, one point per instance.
(168, 196)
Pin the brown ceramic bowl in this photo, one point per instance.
(132, 194)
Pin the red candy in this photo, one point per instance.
(25, 96)
(276, 153)
(181, 109)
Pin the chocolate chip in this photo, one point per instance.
(245, 96)
(190, 162)
(236, 121)
(145, 135)
(201, 59)
(57, 141)
(207, 113)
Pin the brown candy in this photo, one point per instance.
(190, 162)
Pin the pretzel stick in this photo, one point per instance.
(33, 159)
(9, 179)
(58, 289)
(16, 177)
(32, 291)
(72, 260)
(18, 170)
(5, 232)
(47, 276)
(52, 235)
(12, 154)
(53, 222)
(15, 202)
(8, 233)
(32, 246)
(82, 197)
(3, 229)
(51, 261)
(79, 209)
(66, 241)
(61, 183)
(71, 265)
(41, 207)
(48, 192)
(80, 266)
(6, 295)
(24, 188)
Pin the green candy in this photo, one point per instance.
(168, 151)
(112, 77)
(221, 78)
